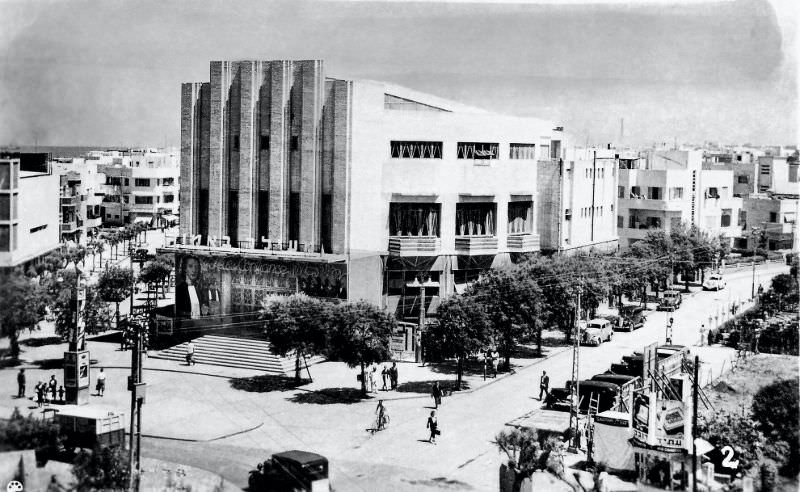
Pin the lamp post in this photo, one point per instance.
(753, 234)
(76, 359)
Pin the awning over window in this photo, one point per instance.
(143, 220)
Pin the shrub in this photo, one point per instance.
(104, 468)
(775, 408)
(42, 435)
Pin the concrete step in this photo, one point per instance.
(232, 351)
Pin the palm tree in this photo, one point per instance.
(100, 247)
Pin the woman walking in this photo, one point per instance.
(433, 426)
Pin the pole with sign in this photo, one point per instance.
(76, 359)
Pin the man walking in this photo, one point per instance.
(436, 393)
(544, 385)
(393, 375)
(101, 383)
(21, 384)
(190, 353)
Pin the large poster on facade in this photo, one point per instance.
(641, 415)
(669, 425)
(213, 286)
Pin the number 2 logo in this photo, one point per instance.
(728, 461)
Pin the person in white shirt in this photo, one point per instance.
(190, 354)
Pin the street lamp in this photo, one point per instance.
(753, 234)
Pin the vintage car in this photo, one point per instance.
(671, 301)
(633, 317)
(294, 471)
(597, 331)
(714, 282)
(608, 394)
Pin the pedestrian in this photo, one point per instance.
(190, 353)
(382, 418)
(40, 390)
(436, 393)
(393, 375)
(544, 385)
(495, 357)
(101, 383)
(371, 379)
(433, 427)
(702, 333)
(384, 375)
(52, 385)
(21, 384)
(61, 394)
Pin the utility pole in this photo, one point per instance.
(574, 406)
(694, 421)
(753, 285)
(137, 389)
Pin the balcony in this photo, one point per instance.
(523, 243)
(414, 245)
(650, 204)
(476, 245)
(69, 226)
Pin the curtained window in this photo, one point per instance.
(522, 151)
(477, 150)
(414, 219)
(475, 219)
(520, 217)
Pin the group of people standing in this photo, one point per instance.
(388, 375)
(51, 391)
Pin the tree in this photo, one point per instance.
(360, 335)
(20, 432)
(99, 247)
(156, 272)
(115, 285)
(734, 430)
(21, 308)
(775, 408)
(463, 329)
(512, 300)
(786, 288)
(528, 452)
(103, 468)
(296, 323)
(62, 292)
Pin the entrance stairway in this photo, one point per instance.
(228, 351)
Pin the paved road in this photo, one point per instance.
(465, 452)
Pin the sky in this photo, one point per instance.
(108, 72)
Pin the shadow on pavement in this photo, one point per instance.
(266, 383)
(115, 337)
(528, 352)
(471, 367)
(330, 396)
(57, 363)
(424, 387)
(39, 342)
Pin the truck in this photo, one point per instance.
(671, 301)
(88, 427)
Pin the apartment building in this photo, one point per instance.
(29, 209)
(577, 198)
(351, 189)
(662, 189)
(81, 198)
(141, 185)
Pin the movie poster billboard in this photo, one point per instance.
(207, 286)
(669, 423)
(641, 415)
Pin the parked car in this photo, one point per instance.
(616, 321)
(597, 331)
(633, 317)
(671, 301)
(294, 471)
(714, 282)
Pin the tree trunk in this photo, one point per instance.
(539, 340)
(363, 381)
(116, 326)
(297, 367)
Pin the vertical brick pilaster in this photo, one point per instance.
(342, 99)
(220, 84)
(311, 85)
(190, 94)
(280, 84)
(250, 82)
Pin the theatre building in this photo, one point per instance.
(349, 189)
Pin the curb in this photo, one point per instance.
(184, 439)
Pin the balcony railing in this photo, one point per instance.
(523, 243)
(414, 245)
(476, 245)
(69, 226)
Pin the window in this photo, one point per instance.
(765, 168)
(725, 220)
(126, 199)
(633, 222)
(620, 192)
(773, 217)
(5, 238)
(264, 142)
(39, 228)
(403, 149)
(158, 199)
(477, 150)
(144, 182)
(654, 222)
(475, 219)
(653, 193)
(522, 151)
(555, 149)
(169, 198)
(236, 143)
(742, 219)
(676, 193)
(712, 193)
(568, 214)
(636, 192)
(114, 180)
(743, 179)
(168, 181)
(414, 219)
(612, 208)
(520, 217)
(789, 218)
(294, 143)
(5, 175)
(620, 221)
(5, 207)
(143, 200)
(127, 182)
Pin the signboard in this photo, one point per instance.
(669, 424)
(641, 415)
(83, 369)
(76, 369)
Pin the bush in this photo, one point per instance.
(727, 429)
(42, 435)
(103, 468)
(775, 408)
